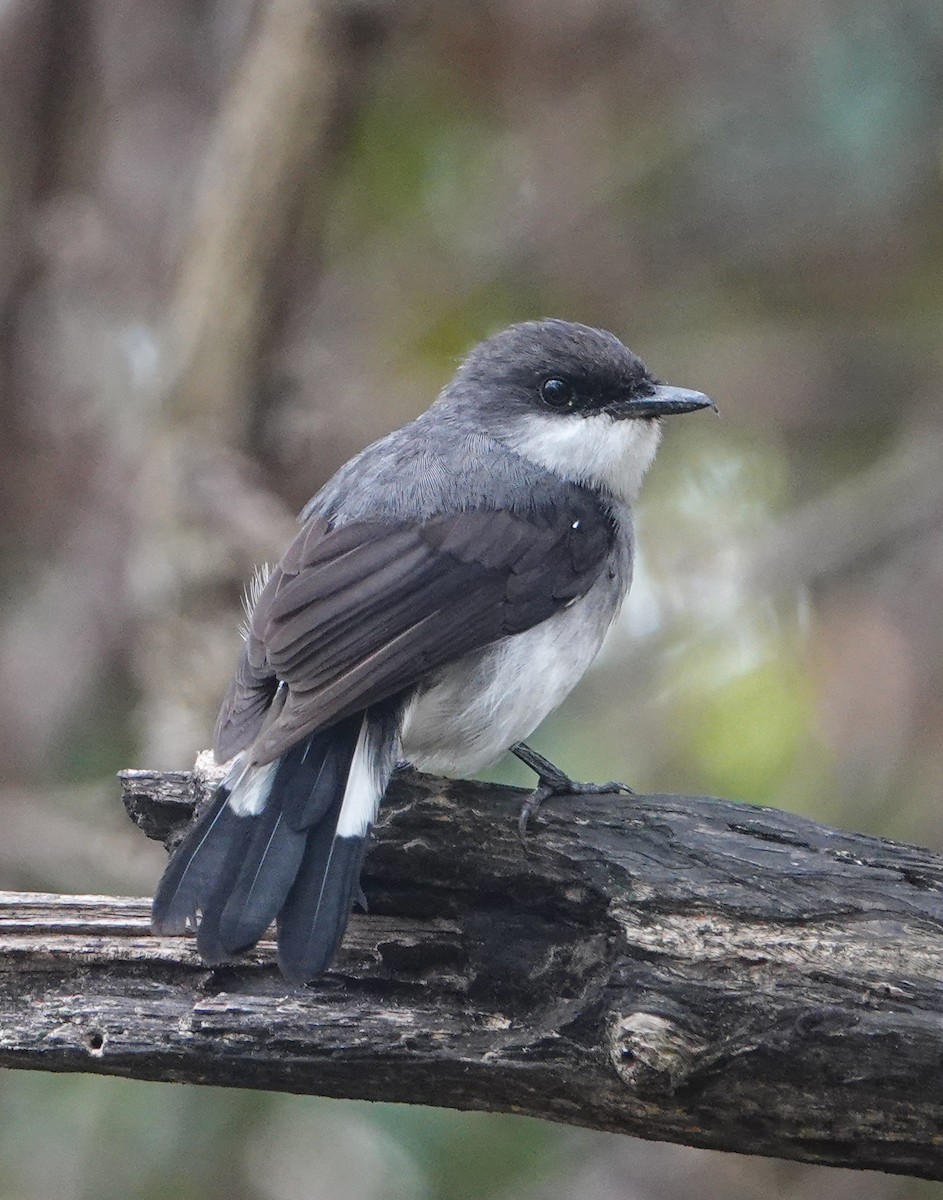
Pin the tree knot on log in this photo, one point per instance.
(651, 1054)
(95, 1042)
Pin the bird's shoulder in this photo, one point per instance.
(424, 471)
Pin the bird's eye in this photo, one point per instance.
(557, 393)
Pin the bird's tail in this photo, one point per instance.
(283, 841)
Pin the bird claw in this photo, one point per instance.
(530, 808)
(597, 789)
(553, 782)
(564, 787)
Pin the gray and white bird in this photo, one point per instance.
(448, 588)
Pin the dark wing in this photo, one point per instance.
(355, 614)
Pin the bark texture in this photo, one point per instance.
(673, 967)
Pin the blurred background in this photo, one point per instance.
(240, 239)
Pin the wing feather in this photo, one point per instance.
(356, 613)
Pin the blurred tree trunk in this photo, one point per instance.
(130, 386)
(206, 517)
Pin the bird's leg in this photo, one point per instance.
(553, 782)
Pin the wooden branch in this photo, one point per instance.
(678, 968)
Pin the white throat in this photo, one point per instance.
(598, 450)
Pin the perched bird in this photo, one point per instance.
(447, 589)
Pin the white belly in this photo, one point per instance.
(474, 709)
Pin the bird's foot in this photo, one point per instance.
(554, 782)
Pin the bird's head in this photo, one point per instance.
(571, 398)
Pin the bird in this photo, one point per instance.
(447, 589)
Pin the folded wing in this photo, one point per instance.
(356, 613)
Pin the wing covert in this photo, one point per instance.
(355, 613)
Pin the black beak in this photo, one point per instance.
(664, 401)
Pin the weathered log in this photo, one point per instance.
(674, 967)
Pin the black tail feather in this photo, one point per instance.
(318, 772)
(252, 884)
(194, 867)
(253, 879)
(240, 872)
(317, 909)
